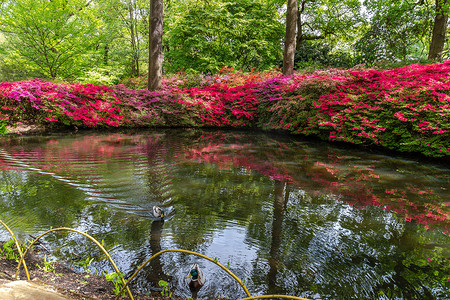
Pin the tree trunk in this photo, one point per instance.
(105, 54)
(133, 33)
(155, 45)
(281, 193)
(290, 40)
(439, 30)
(299, 38)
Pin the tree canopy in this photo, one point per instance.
(206, 36)
(102, 41)
(55, 38)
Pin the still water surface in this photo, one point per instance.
(288, 216)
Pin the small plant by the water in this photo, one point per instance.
(165, 288)
(8, 251)
(47, 266)
(115, 278)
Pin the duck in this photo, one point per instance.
(158, 212)
(196, 279)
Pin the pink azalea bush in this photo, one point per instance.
(40, 101)
(405, 109)
(287, 102)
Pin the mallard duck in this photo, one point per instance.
(196, 278)
(158, 212)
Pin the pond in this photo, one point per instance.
(287, 215)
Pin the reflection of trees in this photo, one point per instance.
(159, 154)
(334, 171)
(338, 252)
(31, 199)
(308, 240)
(205, 198)
(376, 181)
(281, 193)
(418, 264)
(156, 272)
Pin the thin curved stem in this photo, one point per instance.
(22, 260)
(189, 252)
(92, 239)
(273, 297)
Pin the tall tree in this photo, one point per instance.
(439, 30)
(291, 37)
(130, 21)
(155, 45)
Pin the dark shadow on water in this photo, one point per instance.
(281, 196)
(156, 273)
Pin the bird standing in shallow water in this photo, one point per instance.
(196, 279)
(158, 212)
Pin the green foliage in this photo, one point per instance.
(54, 37)
(321, 56)
(165, 288)
(86, 264)
(206, 37)
(47, 266)
(8, 251)
(103, 41)
(115, 278)
(101, 76)
(13, 66)
(125, 41)
(398, 30)
(337, 20)
(3, 124)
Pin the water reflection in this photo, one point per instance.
(288, 216)
(157, 272)
(281, 195)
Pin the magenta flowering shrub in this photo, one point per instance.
(153, 108)
(287, 102)
(221, 106)
(92, 106)
(23, 100)
(405, 109)
(45, 102)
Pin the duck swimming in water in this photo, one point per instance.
(158, 212)
(196, 279)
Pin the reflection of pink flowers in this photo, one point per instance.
(355, 183)
(390, 191)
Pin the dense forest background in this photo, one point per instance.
(105, 41)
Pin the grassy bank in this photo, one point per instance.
(405, 109)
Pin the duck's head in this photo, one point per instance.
(158, 212)
(193, 274)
